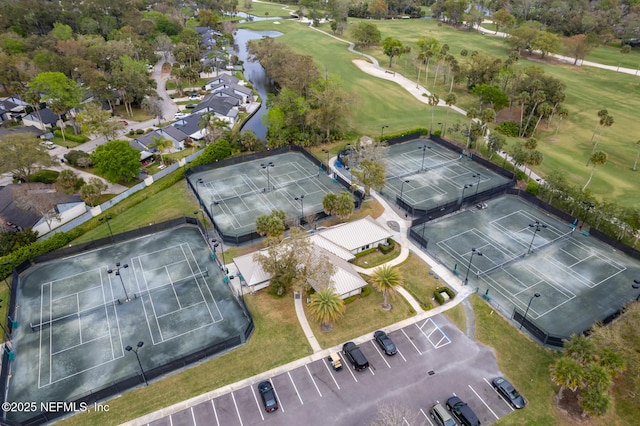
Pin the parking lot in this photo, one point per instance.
(434, 361)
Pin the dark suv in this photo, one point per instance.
(462, 412)
(355, 356)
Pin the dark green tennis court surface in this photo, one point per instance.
(235, 195)
(580, 280)
(75, 321)
(435, 174)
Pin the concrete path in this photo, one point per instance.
(315, 346)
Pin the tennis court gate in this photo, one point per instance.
(251, 236)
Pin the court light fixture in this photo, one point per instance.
(473, 251)
(402, 188)
(479, 176)
(535, 296)
(267, 166)
(301, 199)
(117, 271)
(216, 244)
(107, 219)
(537, 226)
(424, 149)
(135, 351)
(382, 131)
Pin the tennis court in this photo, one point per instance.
(521, 251)
(236, 195)
(435, 175)
(77, 315)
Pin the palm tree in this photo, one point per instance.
(450, 100)
(472, 114)
(488, 116)
(601, 114)
(562, 114)
(598, 158)
(538, 97)
(327, 307)
(534, 158)
(522, 99)
(544, 109)
(635, 163)
(606, 121)
(433, 101)
(580, 348)
(161, 144)
(385, 279)
(567, 373)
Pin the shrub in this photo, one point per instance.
(508, 128)
(520, 175)
(77, 158)
(366, 290)
(532, 187)
(140, 132)
(366, 252)
(71, 136)
(350, 299)
(44, 176)
(438, 296)
(388, 247)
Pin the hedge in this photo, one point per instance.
(366, 290)
(44, 176)
(366, 252)
(439, 297)
(387, 248)
(71, 137)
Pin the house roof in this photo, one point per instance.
(356, 234)
(219, 105)
(223, 78)
(251, 271)
(25, 129)
(48, 116)
(335, 249)
(175, 133)
(232, 87)
(10, 212)
(189, 125)
(147, 139)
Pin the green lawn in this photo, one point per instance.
(361, 316)
(378, 102)
(376, 258)
(277, 340)
(417, 279)
(265, 8)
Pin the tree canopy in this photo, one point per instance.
(116, 161)
(22, 155)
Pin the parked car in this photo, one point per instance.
(441, 416)
(508, 392)
(194, 96)
(355, 356)
(462, 412)
(124, 122)
(385, 342)
(268, 396)
(48, 144)
(190, 106)
(335, 361)
(180, 115)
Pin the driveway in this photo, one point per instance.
(434, 361)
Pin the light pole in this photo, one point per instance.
(382, 131)
(107, 219)
(217, 243)
(267, 166)
(204, 226)
(424, 149)
(636, 286)
(588, 205)
(301, 199)
(6, 332)
(473, 251)
(402, 188)
(118, 268)
(199, 181)
(477, 183)
(326, 151)
(535, 295)
(464, 188)
(504, 161)
(135, 351)
(537, 226)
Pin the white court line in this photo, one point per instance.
(237, 410)
(379, 353)
(50, 333)
(80, 344)
(215, 413)
(79, 320)
(500, 396)
(314, 382)
(146, 315)
(485, 404)
(153, 308)
(295, 388)
(331, 374)
(40, 347)
(173, 288)
(416, 348)
(198, 283)
(256, 400)
(426, 417)
(273, 385)
(193, 416)
(106, 312)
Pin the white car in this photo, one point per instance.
(180, 115)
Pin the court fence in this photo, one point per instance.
(251, 236)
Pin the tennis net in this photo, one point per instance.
(442, 164)
(71, 315)
(404, 175)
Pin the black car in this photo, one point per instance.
(190, 106)
(355, 356)
(462, 412)
(268, 396)
(508, 392)
(385, 342)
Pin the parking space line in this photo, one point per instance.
(406, 422)
(277, 396)
(331, 374)
(237, 410)
(350, 370)
(314, 382)
(405, 360)
(371, 369)
(170, 420)
(257, 403)
(426, 417)
(294, 387)
(193, 416)
(215, 413)
(379, 353)
(416, 348)
(501, 398)
(485, 404)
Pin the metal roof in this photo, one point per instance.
(356, 234)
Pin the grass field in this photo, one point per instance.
(265, 8)
(377, 102)
(417, 279)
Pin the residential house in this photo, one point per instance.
(225, 108)
(13, 130)
(49, 119)
(221, 79)
(176, 137)
(190, 126)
